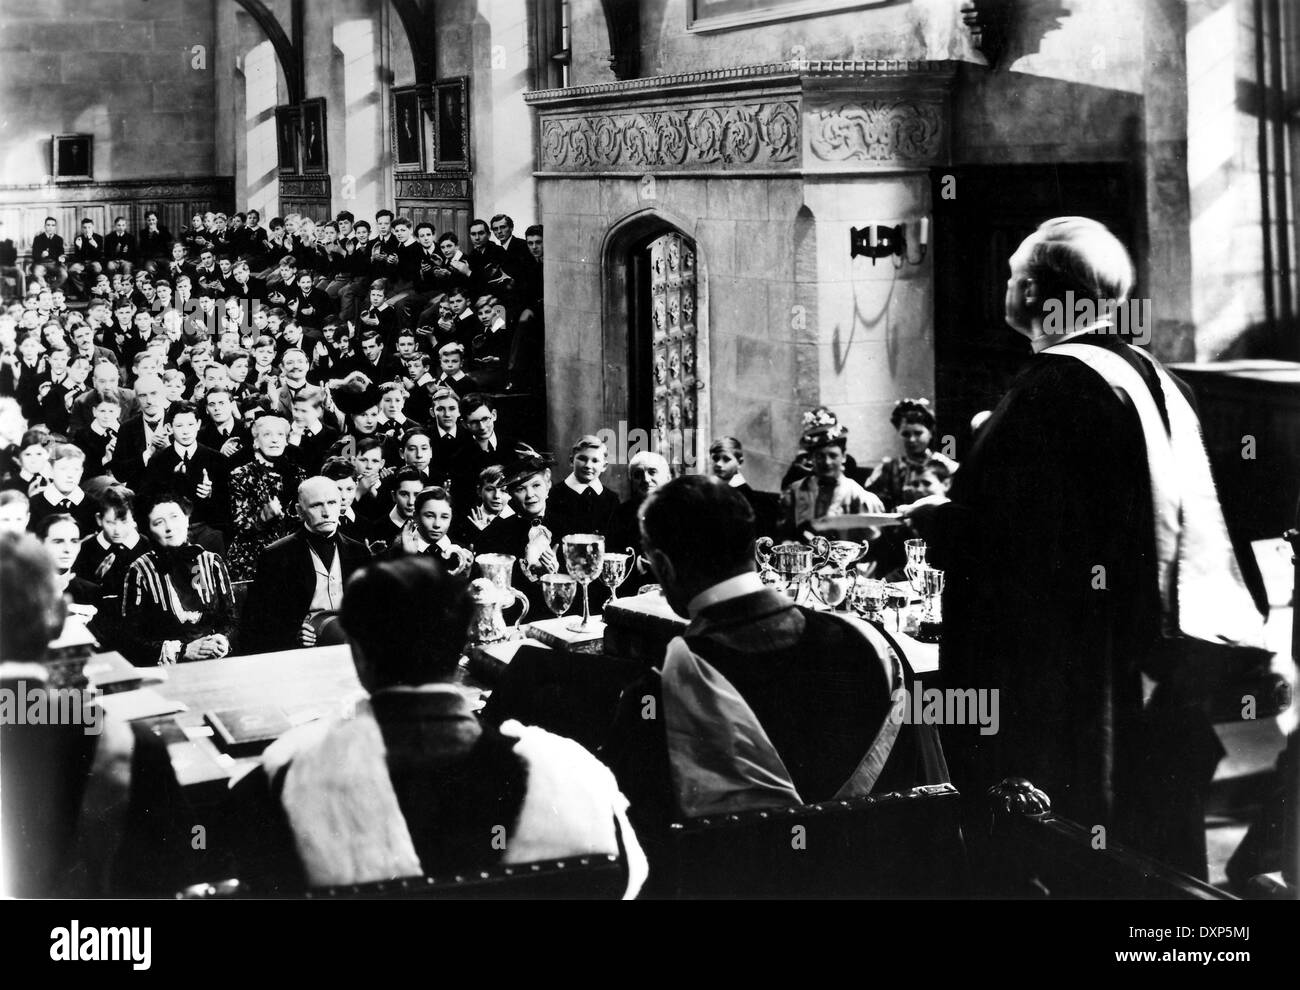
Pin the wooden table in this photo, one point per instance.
(306, 684)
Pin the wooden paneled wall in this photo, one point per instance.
(23, 209)
(442, 199)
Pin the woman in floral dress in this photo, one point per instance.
(263, 497)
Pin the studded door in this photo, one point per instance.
(677, 383)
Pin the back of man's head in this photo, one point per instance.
(1079, 255)
(704, 527)
(31, 608)
(409, 617)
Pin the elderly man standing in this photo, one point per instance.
(1085, 549)
(300, 577)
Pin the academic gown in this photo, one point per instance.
(1051, 598)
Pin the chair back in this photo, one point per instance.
(575, 878)
(899, 844)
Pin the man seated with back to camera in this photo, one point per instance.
(418, 780)
(762, 703)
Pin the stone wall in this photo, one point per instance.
(357, 52)
(767, 171)
(123, 71)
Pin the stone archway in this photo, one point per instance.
(655, 337)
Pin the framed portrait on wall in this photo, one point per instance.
(71, 157)
(451, 123)
(719, 15)
(286, 139)
(314, 138)
(408, 130)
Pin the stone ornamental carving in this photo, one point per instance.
(876, 131)
(755, 134)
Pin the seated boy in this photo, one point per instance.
(452, 358)
(64, 492)
(483, 528)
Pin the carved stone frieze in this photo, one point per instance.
(825, 117)
(759, 133)
(876, 132)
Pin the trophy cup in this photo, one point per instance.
(835, 581)
(930, 628)
(614, 570)
(789, 566)
(583, 556)
(490, 595)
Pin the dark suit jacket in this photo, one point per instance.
(210, 437)
(162, 475)
(128, 464)
(469, 461)
(570, 512)
(445, 450)
(40, 507)
(1057, 486)
(518, 260)
(93, 445)
(282, 589)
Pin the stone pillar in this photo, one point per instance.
(868, 146)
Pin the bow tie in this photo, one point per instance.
(65, 505)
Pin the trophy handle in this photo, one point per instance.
(821, 549)
(522, 599)
(763, 550)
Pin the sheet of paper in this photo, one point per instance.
(144, 703)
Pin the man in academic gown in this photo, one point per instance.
(1050, 549)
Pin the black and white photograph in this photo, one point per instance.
(661, 450)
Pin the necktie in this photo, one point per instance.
(110, 434)
(184, 464)
(65, 505)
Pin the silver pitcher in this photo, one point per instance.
(789, 566)
(491, 594)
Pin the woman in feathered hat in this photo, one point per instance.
(802, 466)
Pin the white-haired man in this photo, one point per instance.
(300, 578)
(1085, 548)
